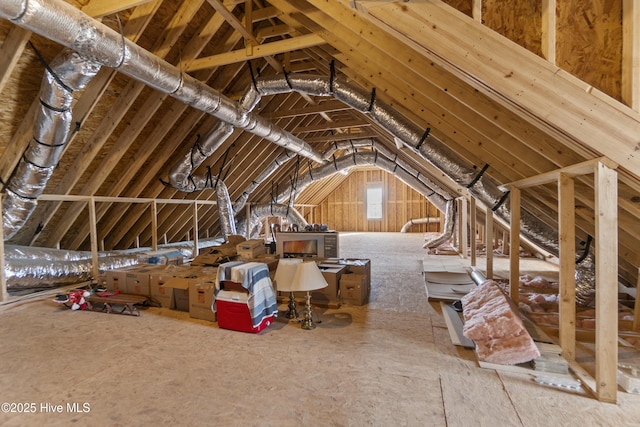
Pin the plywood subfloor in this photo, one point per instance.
(390, 363)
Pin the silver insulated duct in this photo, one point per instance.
(67, 73)
(95, 42)
(260, 212)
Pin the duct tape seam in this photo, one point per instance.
(286, 78)
(253, 77)
(424, 137)
(478, 176)
(53, 74)
(501, 201)
(586, 250)
(332, 75)
(373, 100)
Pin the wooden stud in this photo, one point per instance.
(505, 242)
(4, 295)
(464, 222)
(195, 229)
(476, 10)
(515, 197)
(489, 239)
(549, 30)
(631, 53)
(606, 215)
(636, 305)
(474, 240)
(154, 226)
(567, 236)
(95, 266)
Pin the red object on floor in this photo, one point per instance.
(233, 313)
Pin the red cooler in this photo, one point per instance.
(233, 312)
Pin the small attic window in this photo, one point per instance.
(374, 201)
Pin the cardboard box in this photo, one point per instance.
(201, 294)
(158, 292)
(117, 279)
(137, 279)
(233, 312)
(353, 289)
(356, 266)
(179, 286)
(329, 296)
(251, 248)
(182, 279)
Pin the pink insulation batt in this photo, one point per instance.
(494, 324)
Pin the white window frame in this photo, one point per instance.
(375, 208)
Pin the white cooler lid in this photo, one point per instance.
(232, 296)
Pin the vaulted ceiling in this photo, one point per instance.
(494, 103)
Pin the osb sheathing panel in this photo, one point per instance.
(589, 43)
(588, 36)
(463, 6)
(520, 21)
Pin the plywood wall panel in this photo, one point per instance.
(345, 208)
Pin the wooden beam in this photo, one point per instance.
(323, 107)
(154, 225)
(548, 46)
(631, 53)
(333, 125)
(606, 216)
(143, 200)
(12, 49)
(636, 305)
(464, 222)
(476, 10)
(567, 243)
(473, 214)
(489, 240)
(259, 51)
(99, 8)
(514, 242)
(237, 25)
(95, 266)
(4, 295)
(195, 229)
(535, 90)
(583, 168)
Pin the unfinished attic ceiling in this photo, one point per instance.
(495, 104)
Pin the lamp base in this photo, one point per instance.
(291, 313)
(307, 322)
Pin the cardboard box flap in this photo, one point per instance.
(177, 283)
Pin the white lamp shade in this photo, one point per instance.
(308, 277)
(284, 273)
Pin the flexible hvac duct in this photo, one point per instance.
(363, 159)
(411, 222)
(418, 140)
(375, 159)
(181, 177)
(449, 225)
(225, 211)
(260, 212)
(266, 173)
(352, 145)
(67, 73)
(29, 267)
(96, 44)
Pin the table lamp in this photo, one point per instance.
(308, 278)
(284, 282)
